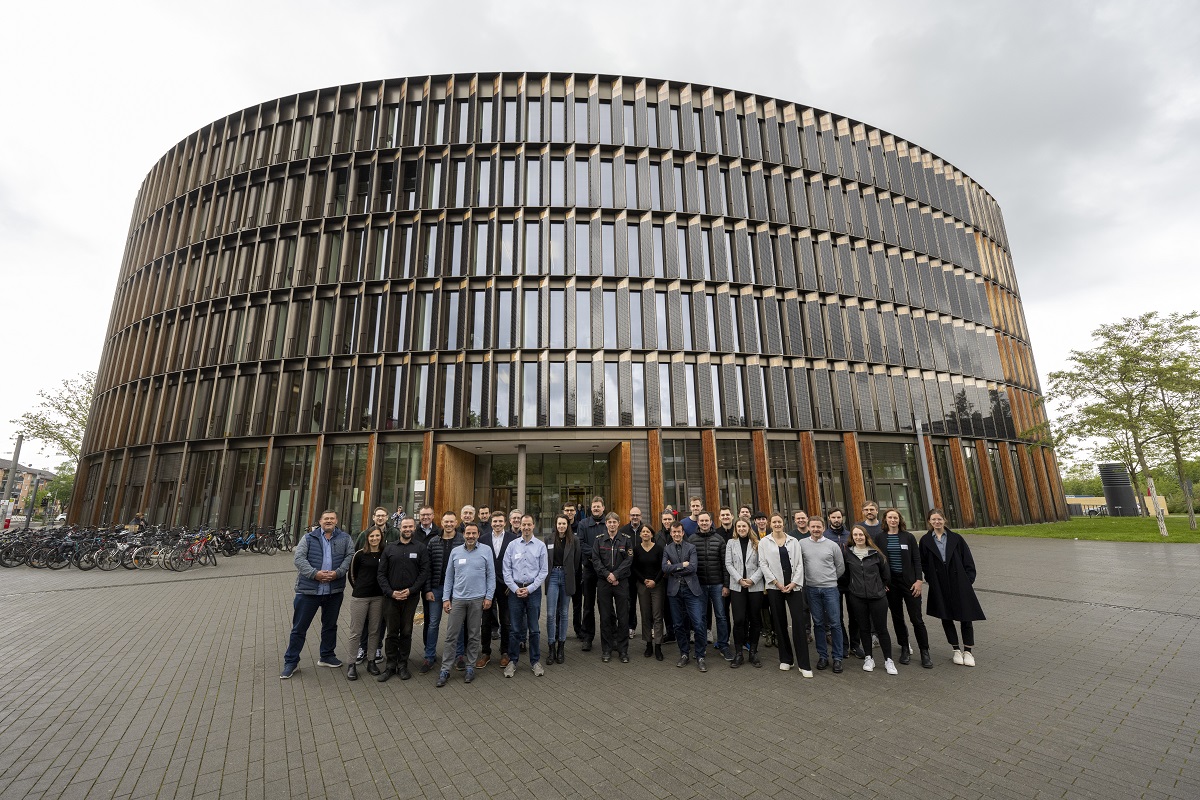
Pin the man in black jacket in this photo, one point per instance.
(904, 589)
(587, 532)
(714, 582)
(634, 531)
(439, 554)
(497, 539)
(612, 559)
(403, 571)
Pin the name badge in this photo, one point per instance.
(518, 555)
(549, 547)
(412, 555)
(462, 562)
(903, 547)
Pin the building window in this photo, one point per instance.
(683, 472)
(583, 394)
(735, 473)
(831, 477)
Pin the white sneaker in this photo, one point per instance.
(537, 669)
(785, 666)
(890, 667)
(806, 673)
(958, 657)
(511, 669)
(869, 664)
(968, 659)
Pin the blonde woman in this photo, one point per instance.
(745, 592)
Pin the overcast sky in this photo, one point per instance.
(1080, 118)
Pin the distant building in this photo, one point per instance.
(521, 289)
(24, 481)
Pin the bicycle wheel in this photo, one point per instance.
(127, 558)
(86, 560)
(12, 555)
(108, 559)
(143, 557)
(269, 547)
(57, 557)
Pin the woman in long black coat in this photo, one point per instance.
(949, 572)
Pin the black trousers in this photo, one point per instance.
(577, 604)
(968, 630)
(871, 613)
(747, 618)
(633, 606)
(398, 617)
(614, 613)
(794, 651)
(848, 618)
(500, 607)
(900, 598)
(587, 593)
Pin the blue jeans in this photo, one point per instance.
(687, 610)
(825, 604)
(304, 611)
(433, 616)
(525, 613)
(713, 598)
(556, 605)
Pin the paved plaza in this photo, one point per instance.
(133, 684)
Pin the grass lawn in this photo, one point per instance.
(1103, 529)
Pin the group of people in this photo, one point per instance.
(752, 580)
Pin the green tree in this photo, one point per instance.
(61, 487)
(1133, 391)
(61, 415)
(1082, 479)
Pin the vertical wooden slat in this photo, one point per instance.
(1035, 512)
(812, 481)
(654, 453)
(989, 481)
(935, 486)
(762, 474)
(369, 484)
(966, 504)
(708, 455)
(1010, 483)
(620, 479)
(858, 490)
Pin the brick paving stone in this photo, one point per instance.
(152, 684)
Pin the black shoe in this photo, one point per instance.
(587, 645)
(649, 649)
(726, 653)
(522, 647)
(737, 660)
(701, 665)
(606, 657)
(926, 660)
(837, 665)
(905, 655)
(822, 663)
(561, 655)
(372, 667)
(683, 660)
(426, 665)
(658, 653)
(755, 660)
(386, 675)
(859, 652)
(361, 656)
(403, 672)
(624, 658)
(352, 672)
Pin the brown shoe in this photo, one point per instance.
(504, 660)
(482, 662)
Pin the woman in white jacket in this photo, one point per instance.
(783, 573)
(745, 592)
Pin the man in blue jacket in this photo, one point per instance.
(322, 558)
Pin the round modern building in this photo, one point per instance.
(523, 289)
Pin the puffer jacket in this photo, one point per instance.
(710, 557)
(866, 577)
(439, 551)
(307, 558)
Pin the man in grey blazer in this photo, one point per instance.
(685, 596)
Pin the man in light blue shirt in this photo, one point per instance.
(525, 569)
(466, 594)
